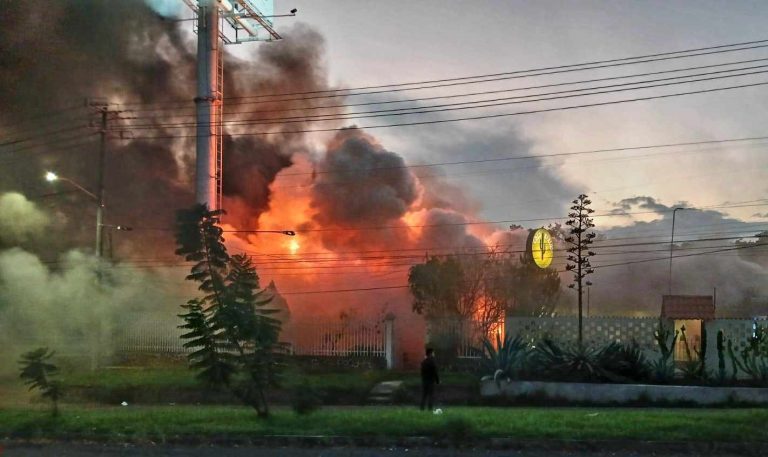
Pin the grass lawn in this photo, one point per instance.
(202, 422)
(181, 376)
(175, 383)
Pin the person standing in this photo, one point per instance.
(429, 378)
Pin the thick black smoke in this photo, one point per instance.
(362, 185)
(57, 54)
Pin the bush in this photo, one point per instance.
(39, 374)
(306, 398)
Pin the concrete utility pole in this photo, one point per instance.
(671, 248)
(251, 20)
(209, 106)
(99, 250)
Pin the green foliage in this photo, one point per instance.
(734, 361)
(38, 373)
(234, 337)
(579, 240)
(753, 359)
(505, 359)
(694, 365)
(459, 429)
(575, 363)
(626, 362)
(216, 366)
(523, 288)
(664, 366)
(306, 398)
(436, 286)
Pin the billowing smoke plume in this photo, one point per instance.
(347, 195)
(636, 282)
(21, 221)
(362, 185)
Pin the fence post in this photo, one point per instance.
(389, 340)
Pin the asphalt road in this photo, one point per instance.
(83, 450)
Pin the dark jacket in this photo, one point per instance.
(429, 371)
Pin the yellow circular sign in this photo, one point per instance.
(542, 248)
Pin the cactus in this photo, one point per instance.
(734, 361)
(721, 356)
(664, 367)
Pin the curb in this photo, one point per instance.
(756, 448)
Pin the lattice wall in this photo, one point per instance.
(739, 331)
(597, 330)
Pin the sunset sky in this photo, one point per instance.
(371, 43)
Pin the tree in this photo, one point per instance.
(436, 286)
(451, 292)
(38, 373)
(523, 289)
(234, 337)
(580, 238)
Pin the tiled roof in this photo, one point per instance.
(688, 307)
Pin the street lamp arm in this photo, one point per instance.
(81, 188)
(281, 232)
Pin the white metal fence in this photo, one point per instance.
(338, 339)
(320, 338)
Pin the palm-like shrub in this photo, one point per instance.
(505, 359)
(231, 329)
(38, 373)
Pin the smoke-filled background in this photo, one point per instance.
(362, 212)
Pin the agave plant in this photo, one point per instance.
(625, 362)
(506, 358)
(575, 363)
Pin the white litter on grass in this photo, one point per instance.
(592, 414)
(125, 403)
(438, 411)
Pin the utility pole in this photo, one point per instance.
(251, 20)
(100, 182)
(671, 248)
(209, 106)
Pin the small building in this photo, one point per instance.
(690, 312)
(279, 303)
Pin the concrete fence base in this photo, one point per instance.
(623, 393)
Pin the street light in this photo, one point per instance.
(671, 247)
(52, 177)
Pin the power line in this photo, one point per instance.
(393, 287)
(450, 107)
(399, 87)
(462, 95)
(49, 114)
(538, 156)
(469, 118)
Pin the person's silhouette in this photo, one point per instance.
(429, 378)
